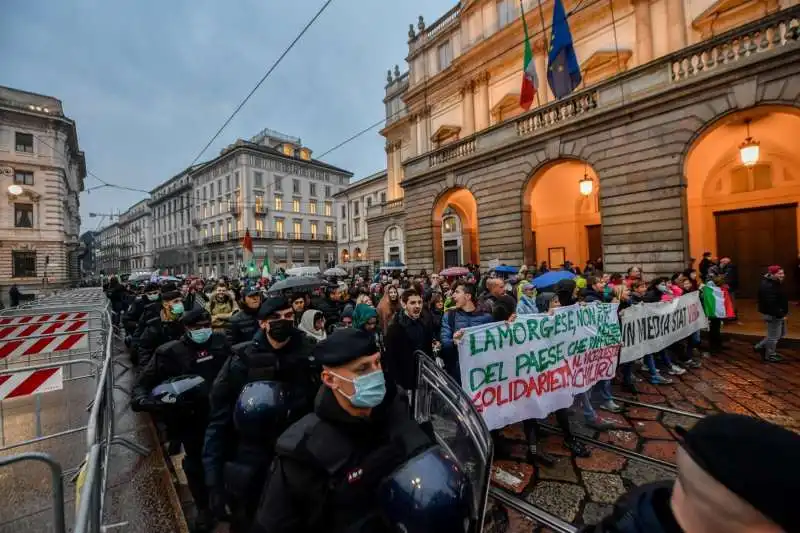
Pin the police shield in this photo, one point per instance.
(458, 427)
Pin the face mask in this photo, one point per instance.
(153, 297)
(662, 288)
(369, 389)
(280, 330)
(177, 308)
(200, 336)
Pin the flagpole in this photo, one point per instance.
(546, 46)
(616, 46)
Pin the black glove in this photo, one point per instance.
(217, 500)
(147, 404)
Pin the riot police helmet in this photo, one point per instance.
(261, 405)
(429, 493)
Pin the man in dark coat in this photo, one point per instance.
(407, 333)
(243, 325)
(773, 304)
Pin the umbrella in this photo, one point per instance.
(139, 277)
(551, 278)
(167, 278)
(335, 272)
(505, 269)
(454, 271)
(295, 283)
(303, 271)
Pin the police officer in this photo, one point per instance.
(330, 466)
(243, 325)
(162, 327)
(279, 353)
(150, 293)
(198, 352)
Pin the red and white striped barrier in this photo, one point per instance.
(30, 382)
(43, 345)
(33, 319)
(44, 327)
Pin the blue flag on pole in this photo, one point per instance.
(563, 71)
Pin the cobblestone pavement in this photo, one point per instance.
(582, 491)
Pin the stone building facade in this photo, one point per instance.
(353, 206)
(172, 235)
(643, 165)
(136, 238)
(42, 172)
(110, 251)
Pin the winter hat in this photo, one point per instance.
(774, 269)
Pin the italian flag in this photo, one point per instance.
(265, 267)
(530, 82)
(717, 301)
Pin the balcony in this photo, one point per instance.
(387, 208)
(276, 235)
(738, 48)
(234, 209)
(426, 35)
(196, 222)
(260, 210)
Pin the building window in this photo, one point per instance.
(230, 226)
(506, 12)
(278, 203)
(279, 227)
(383, 197)
(259, 226)
(205, 196)
(24, 142)
(23, 178)
(355, 209)
(369, 202)
(392, 234)
(314, 230)
(236, 180)
(295, 186)
(327, 191)
(344, 231)
(329, 231)
(295, 205)
(312, 207)
(445, 53)
(258, 179)
(23, 215)
(328, 209)
(24, 264)
(297, 229)
(312, 189)
(356, 228)
(278, 183)
(344, 211)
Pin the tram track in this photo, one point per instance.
(537, 514)
(655, 407)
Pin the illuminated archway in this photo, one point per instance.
(357, 255)
(455, 204)
(559, 222)
(345, 256)
(746, 212)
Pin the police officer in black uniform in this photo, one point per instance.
(331, 466)
(162, 323)
(198, 352)
(243, 325)
(236, 464)
(150, 293)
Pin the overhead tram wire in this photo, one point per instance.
(577, 9)
(262, 80)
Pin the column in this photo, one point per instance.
(426, 129)
(644, 32)
(420, 133)
(414, 141)
(482, 102)
(467, 110)
(676, 25)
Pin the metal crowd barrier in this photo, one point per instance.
(41, 345)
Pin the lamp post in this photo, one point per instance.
(586, 184)
(749, 150)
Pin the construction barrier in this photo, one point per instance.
(57, 366)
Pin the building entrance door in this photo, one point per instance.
(594, 236)
(757, 238)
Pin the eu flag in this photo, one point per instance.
(563, 71)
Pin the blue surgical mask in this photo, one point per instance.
(153, 297)
(200, 336)
(369, 389)
(662, 287)
(177, 308)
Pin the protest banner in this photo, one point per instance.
(651, 327)
(538, 363)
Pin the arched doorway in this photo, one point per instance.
(357, 255)
(345, 256)
(561, 215)
(747, 212)
(393, 247)
(455, 229)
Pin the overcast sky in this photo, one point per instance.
(149, 82)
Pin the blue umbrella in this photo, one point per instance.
(551, 278)
(505, 269)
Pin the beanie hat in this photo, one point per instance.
(774, 269)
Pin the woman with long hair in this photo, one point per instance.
(388, 307)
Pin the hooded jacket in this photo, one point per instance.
(307, 325)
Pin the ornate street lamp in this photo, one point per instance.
(586, 184)
(749, 150)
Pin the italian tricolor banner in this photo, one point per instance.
(717, 301)
(530, 82)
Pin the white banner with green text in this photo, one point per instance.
(538, 363)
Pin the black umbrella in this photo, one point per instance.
(296, 283)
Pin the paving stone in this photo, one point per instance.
(562, 470)
(603, 488)
(511, 475)
(601, 461)
(666, 450)
(518, 523)
(640, 473)
(651, 430)
(514, 432)
(671, 420)
(617, 418)
(642, 413)
(593, 512)
(554, 445)
(624, 439)
(561, 499)
(652, 398)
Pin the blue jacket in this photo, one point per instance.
(460, 320)
(526, 306)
